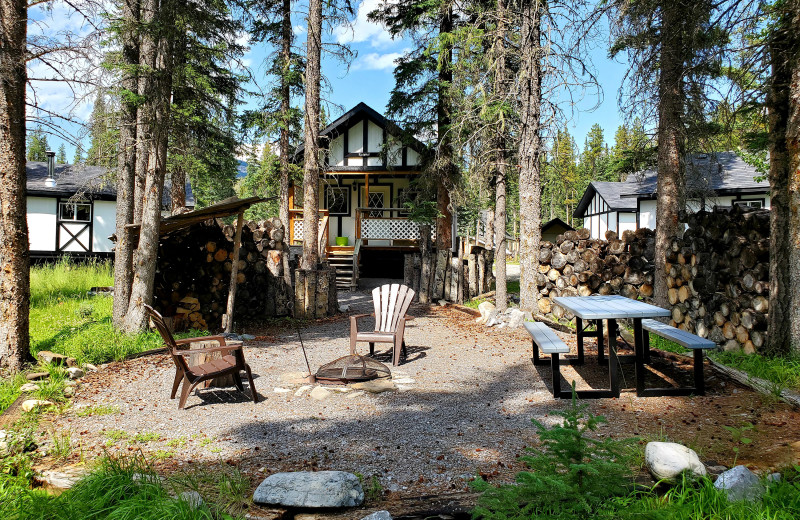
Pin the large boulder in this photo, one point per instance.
(487, 310)
(740, 483)
(667, 460)
(330, 489)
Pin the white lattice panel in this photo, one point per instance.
(389, 228)
(298, 230)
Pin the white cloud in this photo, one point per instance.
(377, 61)
(363, 30)
(298, 30)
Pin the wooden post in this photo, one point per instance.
(237, 240)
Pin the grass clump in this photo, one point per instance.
(99, 409)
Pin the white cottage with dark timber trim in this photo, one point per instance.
(73, 211)
(720, 179)
(366, 177)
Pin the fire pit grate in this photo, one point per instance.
(350, 369)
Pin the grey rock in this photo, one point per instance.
(378, 515)
(516, 318)
(231, 335)
(37, 376)
(486, 309)
(442, 303)
(320, 394)
(193, 499)
(30, 404)
(64, 478)
(89, 367)
(51, 358)
(716, 470)
(75, 373)
(247, 337)
(740, 484)
(376, 386)
(29, 387)
(69, 391)
(667, 460)
(332, 489)
(4, 440)
(344, 308)
(774, 477)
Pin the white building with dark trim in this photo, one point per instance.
(73, 211)
(721, 179)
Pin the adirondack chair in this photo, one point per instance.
(391, 303)
(232, 361)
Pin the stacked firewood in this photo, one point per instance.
(577, 265)
(194, 273)
(718, 277)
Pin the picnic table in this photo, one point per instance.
(595, 309)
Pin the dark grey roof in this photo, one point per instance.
(722, 173)
(96, 182)
(93, 181)
(611, 192)
(556, 222)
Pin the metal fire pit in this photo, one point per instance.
(352, 369)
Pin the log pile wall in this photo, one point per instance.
(577, 265)
(194, 272)
(718, 277)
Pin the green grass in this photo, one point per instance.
(100, 409)
(782, 372)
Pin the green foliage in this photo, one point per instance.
(61, 156)
(103, 131)
(571, 474)
(37, 145)
(782, 371)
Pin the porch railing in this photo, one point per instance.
(381, 224)
(296, 227)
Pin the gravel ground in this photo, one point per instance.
(464, 404)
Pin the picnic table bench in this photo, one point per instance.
(686, 339)
(544, 339)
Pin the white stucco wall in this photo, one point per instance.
(42, 223)
(104, 219)
(627, 221)
(647, 214)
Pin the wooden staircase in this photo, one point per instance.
(345, 260)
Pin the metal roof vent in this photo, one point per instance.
(50, 181)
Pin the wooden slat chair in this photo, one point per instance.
(391, 303)
(232, 361)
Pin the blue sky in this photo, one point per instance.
(369, 78)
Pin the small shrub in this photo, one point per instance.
(571, 475)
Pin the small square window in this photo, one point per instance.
(75, 212)
(337, 200)
(750, 203)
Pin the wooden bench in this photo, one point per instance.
(544, 339)
(683, 338)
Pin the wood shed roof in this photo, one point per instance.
(225, 208)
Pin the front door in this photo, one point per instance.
(378, 197)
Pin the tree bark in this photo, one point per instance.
(529, 148)
(158, 36)
(783, 102)
(500, 85)
(126, 173)
(286, 107)
(671, 143)
(311, 159)
(445, 169)
(14, 276)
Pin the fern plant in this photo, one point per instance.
(570, 475)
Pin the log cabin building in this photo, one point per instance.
(720, 179)
(366, 177)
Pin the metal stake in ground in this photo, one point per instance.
(311, 378)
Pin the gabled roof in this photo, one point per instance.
(356, 114)
(94, 182)
(722, 173)
(556, 222)
(710, 174)
(611, 192)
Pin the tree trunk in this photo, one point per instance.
(500, 85)
(444, 160)
(158, 39)
(14, 276)
(529, 148)
(783, 329)
(286, 107)
(311, 162)
(671, 146)
(177, 191)
(123, 250)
